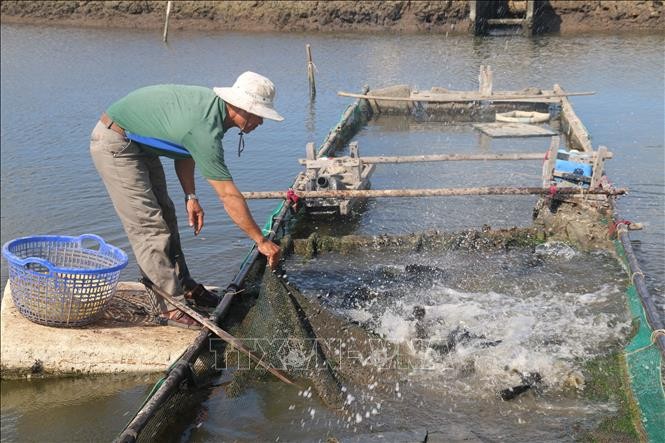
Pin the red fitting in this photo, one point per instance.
(614, 227)
(292, 197)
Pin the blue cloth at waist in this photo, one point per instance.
(158, 144)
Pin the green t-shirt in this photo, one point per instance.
(191, 116)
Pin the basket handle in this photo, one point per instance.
(102, 244)
(40, 261)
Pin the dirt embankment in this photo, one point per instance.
(401, 16)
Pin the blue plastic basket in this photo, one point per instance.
(56, 281)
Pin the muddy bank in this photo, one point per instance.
(401, 16)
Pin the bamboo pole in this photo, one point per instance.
(166, 21)
(310, 72)
(440, 192)
(465, 97)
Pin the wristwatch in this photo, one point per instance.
(189, 197)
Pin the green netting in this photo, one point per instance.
(645, 368)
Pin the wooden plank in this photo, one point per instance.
(505, 21)
(548, 166)
(470, 96)
(598, 166)
(575, 130)
(441, 192)
(529, 10)
(499, 130)
(367, 172)
(353, 150)
(310, 151)
(344, 207)
(320, 163)
(356, 171)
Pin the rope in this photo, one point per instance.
(657, 333)
(632, 276)
(643, 348)
(614, 227)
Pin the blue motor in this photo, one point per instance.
(569, 168)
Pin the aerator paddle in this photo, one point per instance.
(219, 332)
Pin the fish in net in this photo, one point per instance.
(314, 347)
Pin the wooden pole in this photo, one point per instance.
(441, 192)
(351, 161)
(431, 158)
(166, 22)
(219, 332)
(465, 97)
(310, 72)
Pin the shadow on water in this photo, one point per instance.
(44, 409)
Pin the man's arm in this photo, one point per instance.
(236, 207)
(184, 168)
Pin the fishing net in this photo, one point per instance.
(180, 408)
(341, 361)
(323, 352)
(319, 350)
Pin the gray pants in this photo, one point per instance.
(136, 184)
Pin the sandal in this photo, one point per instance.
(179, 319)
(202, 297)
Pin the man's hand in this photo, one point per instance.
(195, 215)
(270, 250)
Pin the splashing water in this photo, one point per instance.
(482, 322)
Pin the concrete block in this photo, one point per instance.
(125, 340)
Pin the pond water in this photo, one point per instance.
(55, 82)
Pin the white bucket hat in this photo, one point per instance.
(252, 92)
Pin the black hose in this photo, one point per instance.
(655, 320)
